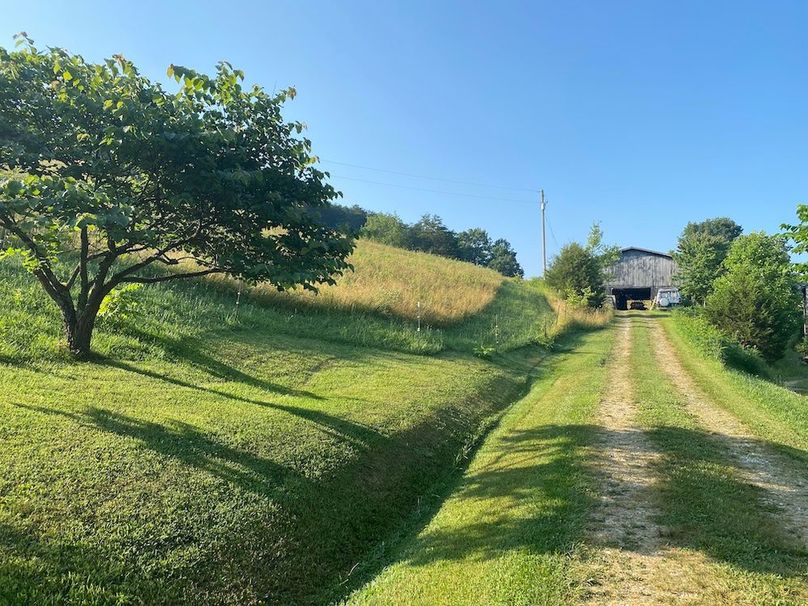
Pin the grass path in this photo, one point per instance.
(783, 486)
(628, 559)
(509, 532)
(728, 537)
(616, 481)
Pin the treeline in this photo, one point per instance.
(428, 234)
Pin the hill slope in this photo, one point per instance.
(262, 454)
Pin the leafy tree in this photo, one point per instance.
(386, 228)
(605, 254)
(475, 246)
(350, 219)
(503, 259)
(430, 235)
(699, 255)
(579, 272)
(799, 235)
(756, 300)
(105, 169)
(576, 273)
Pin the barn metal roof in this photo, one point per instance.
(647, 251)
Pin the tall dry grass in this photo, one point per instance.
(391, 281)
(568, 317)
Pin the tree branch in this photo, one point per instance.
(166, 278)
(84, 282)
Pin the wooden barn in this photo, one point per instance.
(638, 275)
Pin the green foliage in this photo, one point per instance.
(106, 167)
(711, 343)
(700, 253)
(756, 300)
(431, 235)
(606, 254)
(576, 274)
(799, 235)
(484, 351)
(475, 246)
(120, 303)
(349, 219)
(386, 228)
(503, 259)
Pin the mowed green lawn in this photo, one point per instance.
(705, 502)
(774, 413)
(222, 457)
(509, 533)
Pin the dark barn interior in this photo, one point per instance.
(623, 295)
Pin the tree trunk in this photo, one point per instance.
(79, 331)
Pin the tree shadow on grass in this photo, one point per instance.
(194, 353)
(33, 569)
(533, 497)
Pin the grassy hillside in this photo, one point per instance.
(372, 306)
(393, 282)
(224, 455)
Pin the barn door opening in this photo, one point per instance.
(624, 296)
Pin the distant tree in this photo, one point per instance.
(605, 254)
(386, 228)
(756, 301)
(105, 170)
(350, 219)
(579, 272)
(475, 246)
(576, 274)
(503, 259)
(699, 255)
(430, 235)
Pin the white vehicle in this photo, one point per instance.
(667, 297)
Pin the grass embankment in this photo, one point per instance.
(705, 503)
(223, 456)
(507, 535)
(401, 283)
(770, 411)
(372, 307)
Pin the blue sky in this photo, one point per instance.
(642, 115)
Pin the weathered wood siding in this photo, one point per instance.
(639, 269)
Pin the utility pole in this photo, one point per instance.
(543, 237)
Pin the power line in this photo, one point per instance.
(414, 176)
(434, 191)
(552, 233)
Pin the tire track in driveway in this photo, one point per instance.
(631, 562)
(783, 486)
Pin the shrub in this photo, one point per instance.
(710, 342)
(577, 275)
(756, 302)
